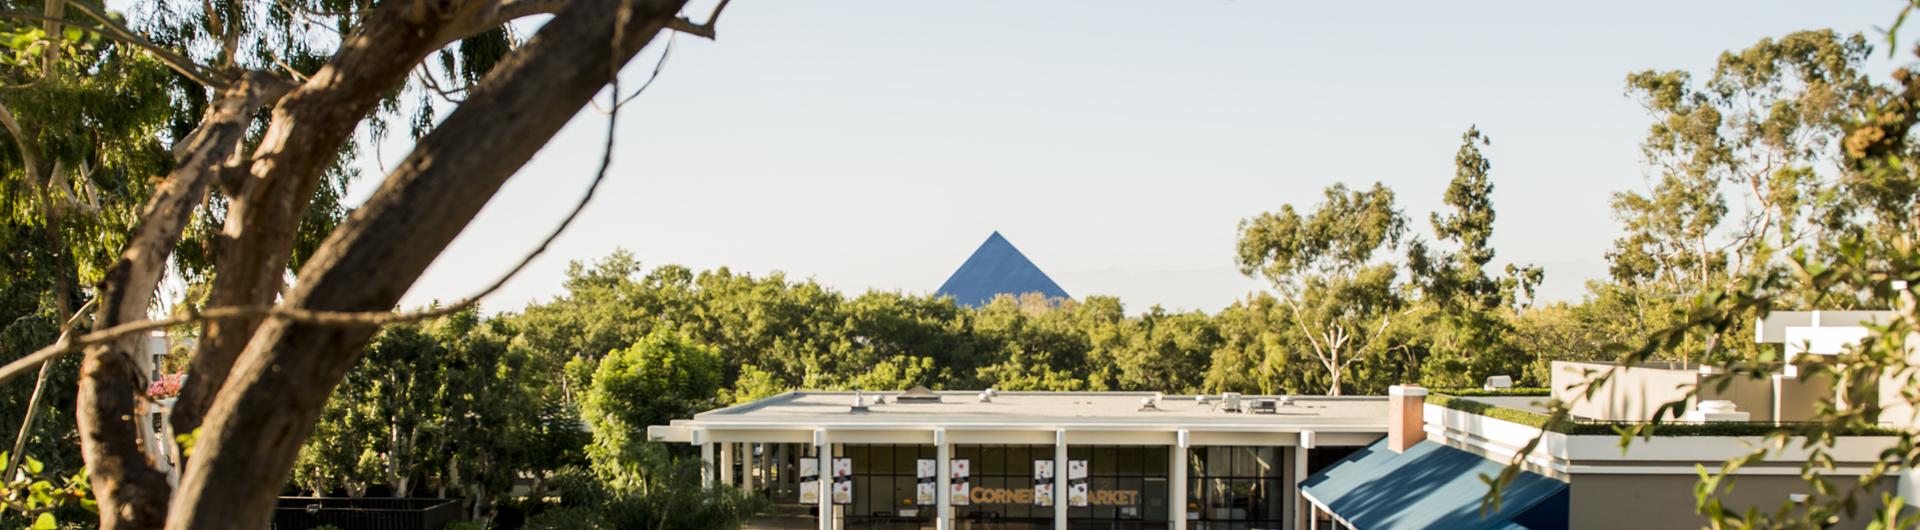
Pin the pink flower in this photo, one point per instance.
(166, 386)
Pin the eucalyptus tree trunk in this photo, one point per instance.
(257, 385)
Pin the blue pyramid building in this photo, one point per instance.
(997, 268)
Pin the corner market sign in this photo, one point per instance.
(1025, 496)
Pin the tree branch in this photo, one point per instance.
(327, 318)
(432, 83)
(29, 156)
(500, 13)
(303, 137)
(66, 345)
(707, 30)
(39, 388)
(112, 30)
(131, 491)
(279, 385)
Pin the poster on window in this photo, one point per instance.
(924, 484)
(1043, 483)
(809, 481)
(1077, 483)
(958, 472)
(843, 481)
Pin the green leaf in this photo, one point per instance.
(34, 467)
(46, 522)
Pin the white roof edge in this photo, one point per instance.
(755, 404)
(670, 433)
(1772, 327)
(1036, 427)
(972, 393)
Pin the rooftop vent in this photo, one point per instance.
(859, 403)
(987, 396)
(918, 394)
(1147, 404)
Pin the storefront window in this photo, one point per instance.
(1001, 493)
(777, 477)
(1236, 488)
(884, 482)
(1127, 488)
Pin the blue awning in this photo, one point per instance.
(1433, 486)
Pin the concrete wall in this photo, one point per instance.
(1894, 408)
(1800, 396)
(1607, 502)
(1753, 396)
(1634, 394)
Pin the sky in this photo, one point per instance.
(873, 144)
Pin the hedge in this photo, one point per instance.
(1529, 391)
(1572, 427)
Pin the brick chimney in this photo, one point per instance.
(1406, 416)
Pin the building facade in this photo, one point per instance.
(1029, 460)
(1144, 461)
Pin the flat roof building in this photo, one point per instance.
(1122, 458)
(991, 460)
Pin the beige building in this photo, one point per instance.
(990, 460)
(1144, 461)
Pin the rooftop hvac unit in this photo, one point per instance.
(918, 394)
(1265, 406)
(1230, 401)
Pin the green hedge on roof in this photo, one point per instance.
(1515, 391)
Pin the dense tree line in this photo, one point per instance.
(464, 404)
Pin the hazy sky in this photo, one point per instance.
(872, 144)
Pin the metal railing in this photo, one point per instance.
(365, 513)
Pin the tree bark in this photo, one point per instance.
(278, 385)
(301, 141)
(131, 492)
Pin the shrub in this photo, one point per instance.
(1515, 391)
(566, 518)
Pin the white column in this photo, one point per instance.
(746, 470)
(706, 458)
(1060, 479)
(1300, 505)
(826, 478)
(1313, 519)
(1177, 496)
(726, 463)
(943, 480)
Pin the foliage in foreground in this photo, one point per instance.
(1829, 158)
(668, 496)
